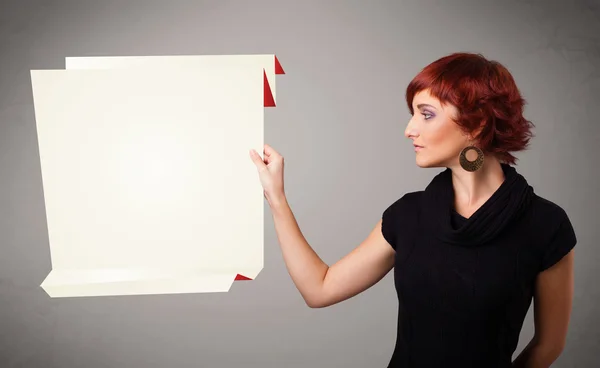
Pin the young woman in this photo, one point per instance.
(472, 249)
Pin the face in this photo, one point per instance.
(437, 138)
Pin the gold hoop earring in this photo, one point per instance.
(471, 165)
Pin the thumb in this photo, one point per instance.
(258, 161)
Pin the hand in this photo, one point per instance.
(270, 172)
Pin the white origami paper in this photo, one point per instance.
(268, 63)
(147, 181)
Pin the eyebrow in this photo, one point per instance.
(425, 105)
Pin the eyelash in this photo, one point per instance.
(425, 114)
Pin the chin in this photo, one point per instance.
(428, 164)
(424, 166)
(422, 163)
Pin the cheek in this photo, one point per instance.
(437, 132)
(444, 136)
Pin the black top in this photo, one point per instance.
(465, 285)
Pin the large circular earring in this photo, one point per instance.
(471, 165)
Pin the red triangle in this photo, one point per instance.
(239, 277)
(268, 98)
(278, 68)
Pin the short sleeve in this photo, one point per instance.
(399, 220)
(561, 243)
(389, 222)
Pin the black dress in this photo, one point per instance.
(465, 285)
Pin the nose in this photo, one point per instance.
(410, 132)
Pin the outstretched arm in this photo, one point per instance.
(319, 284)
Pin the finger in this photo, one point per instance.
(269, 151)
(258, 161)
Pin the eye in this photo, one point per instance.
(427, 115)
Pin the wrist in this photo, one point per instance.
(278, 202)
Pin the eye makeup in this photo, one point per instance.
(427, 115)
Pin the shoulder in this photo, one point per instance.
(408, 202)
(400, 214)
(553, 230)
(546, 217)
(545, 210)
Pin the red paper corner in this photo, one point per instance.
(239, 277)
(278, 68)
(268, 95)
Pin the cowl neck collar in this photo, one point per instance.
(504, 206)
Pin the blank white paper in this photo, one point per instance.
(260, 61)
(147, 181)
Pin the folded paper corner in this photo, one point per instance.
(269, 100)
(278, 67)
(248, 274)
(48, 285)
(240, 277)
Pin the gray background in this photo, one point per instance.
(339, 124)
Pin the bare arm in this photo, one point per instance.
(552, 310)
(319, 284)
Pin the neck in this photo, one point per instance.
(473, 188)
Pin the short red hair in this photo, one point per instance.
(486, 96)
